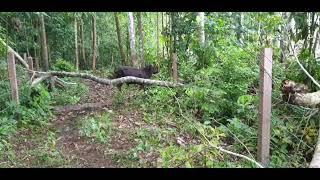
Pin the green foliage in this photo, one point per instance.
(63, 65)
(71, 95)
(97, 128)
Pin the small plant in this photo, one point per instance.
(97, 128)
(63, 65)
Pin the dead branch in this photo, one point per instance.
(39, 80)
(128, 79)
(303, 69)
(21, 60)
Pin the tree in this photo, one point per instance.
(141, 38)
(82, 44)
(76, 42)
(157, 21)
(131, 40)
(122, 54)
(201, 29)
(44, 48)
(162, 26)
(94, 42)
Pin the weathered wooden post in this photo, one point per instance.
(265, 106)
(13, 77)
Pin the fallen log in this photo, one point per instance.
(21, 60)
(128, 79)
(41, 76)
(315, 163)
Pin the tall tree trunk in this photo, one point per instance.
(312, 30)
(84, 60)
(44, 48)
(132, 40)
(201, 29)
(157, 34)
(141, 38)
(122, 54)
(94, 45)
(162, 32)
(76, 43)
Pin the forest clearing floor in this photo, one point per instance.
(59, 144)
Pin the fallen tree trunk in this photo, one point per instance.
(315, 163)
(128, 79)
(307, 99)
(41, 76)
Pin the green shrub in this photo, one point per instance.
(63, 65)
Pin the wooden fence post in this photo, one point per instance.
(13, 78)
(265, 106)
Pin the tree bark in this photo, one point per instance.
(44, 48)
(201, 29)
(84, 60)
(132, 40)
(141, 38)
(315, 163)
(157, 21)
(94, 45)
(76, 43)
(128, 79)
(162, 26)
(122, 54)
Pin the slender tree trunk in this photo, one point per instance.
(76, 43)
(94, 45)
(170, 41)
(315, 43)
(44, 48)
(162, 31)
(141, 38)
(201, 29)
(312, 30)
(49, 53)
(122, 54)
(84, 60)
(132, 40)
(157, 35)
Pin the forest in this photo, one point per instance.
(159, 89)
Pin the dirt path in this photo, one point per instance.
(80, 151)
(84, 152)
